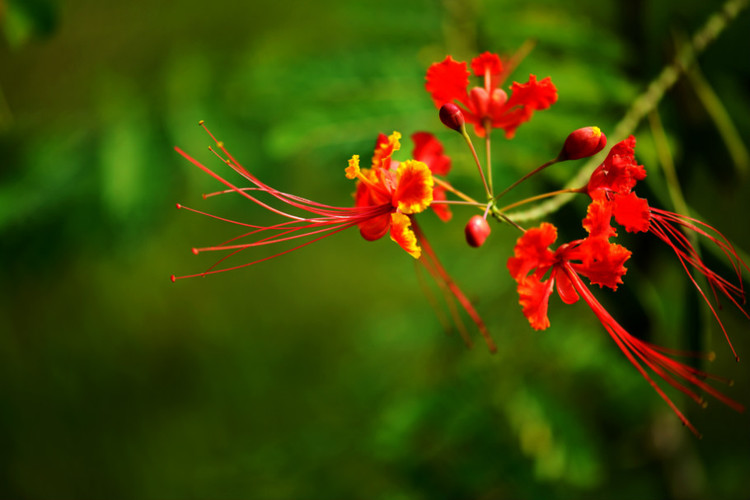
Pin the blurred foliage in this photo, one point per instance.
(325, 374)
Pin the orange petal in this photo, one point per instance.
(402, 234)
(414, 190)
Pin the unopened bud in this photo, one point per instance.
(477, 230)
(582, 143)
(452, 117)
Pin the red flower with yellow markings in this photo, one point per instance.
(387, 195)
(488, 106)
(406, 188)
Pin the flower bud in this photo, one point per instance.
(452, 117)
(582, 143)
(477, 230)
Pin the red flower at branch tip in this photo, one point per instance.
(613, 182)
(387, 195)
(488, 106)
(533, 259)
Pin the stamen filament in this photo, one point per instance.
(466, 137)
(519, 181)
(540, 197)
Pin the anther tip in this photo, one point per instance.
(711, 356)
(178, 206)
(737, 359)
(173, 278)
(200, 123)
(205, 196)
(195, 251)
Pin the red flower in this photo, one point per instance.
(612, 183)
(385, 199)
(594, 257)
(532, 261)
(488, 105)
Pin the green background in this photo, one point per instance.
(326, 373)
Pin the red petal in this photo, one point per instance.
(619, 172)
(487, 62)
(602, 262)
(597, 221)
(632, 213)
(534, 298)
(533, 94)
(531, 251)
(374, 229)
(446, 81)
(565, 288)
(442, 210)
(525, 99)
(429, 150)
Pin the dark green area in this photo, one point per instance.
(325, 373)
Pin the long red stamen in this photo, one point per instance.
(455, 290)
(662, 226)
(449, 298)
(653, 357)
(317, 220)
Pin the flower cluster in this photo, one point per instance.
(390, 193)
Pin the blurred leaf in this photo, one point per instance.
(24, 20)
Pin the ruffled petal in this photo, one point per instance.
(414, 187)
(384, 148)
(447, 81)
(632, 212)
(602, 262)
(520, 106)
(598, 220)
(533, 295)
(619, 172)
(402, 234)
(486, 62)
(531, 251)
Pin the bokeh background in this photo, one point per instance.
(326, 373)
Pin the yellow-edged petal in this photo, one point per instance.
(414, 189)
(402, 234)
(384, 150)
(352, 171)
